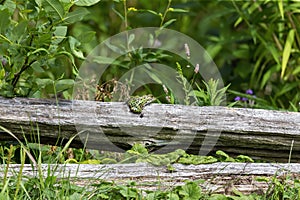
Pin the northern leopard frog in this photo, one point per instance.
(137, 103)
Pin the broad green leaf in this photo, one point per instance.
(74, 43)
(64, 84)
(36, 66)
(10, 5)
(76, 15)
(86, 2)
(190, 191)
(59, 34)
(19, 31)
(43, 82)
(224, 156)
(172, 196)
(43, 39)
(36, 94)
(243, 158)
(86, 36)
(139, 148)
(54, 8)
(287, 51)
(4, 20)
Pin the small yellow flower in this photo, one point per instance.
(132, 9)
(161, 15)
(171, 9)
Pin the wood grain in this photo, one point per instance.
(264, 134)
(217, 177)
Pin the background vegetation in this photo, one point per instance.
(255, 44)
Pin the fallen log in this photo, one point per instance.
(263, 134)
(217, 177)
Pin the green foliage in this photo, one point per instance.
(43, 42)
(212, 96)
(273, 27)
(139, 153)
(50, 187)
(38, 57)
(282, 188)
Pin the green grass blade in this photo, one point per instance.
(287, 51)
(22, 145)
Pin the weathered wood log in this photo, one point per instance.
(265, 134)
(218, 177)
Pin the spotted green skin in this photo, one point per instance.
(137, 103)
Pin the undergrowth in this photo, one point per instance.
(37, 186)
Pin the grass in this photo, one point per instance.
(49, 182)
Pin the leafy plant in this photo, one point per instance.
(38, 57)
(276, 69)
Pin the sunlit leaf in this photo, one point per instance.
(86, 2)
(191, 191)
(87, 36)
(54, 8)
(287, 51)
(37, 67)
(74, 44)
(59, 34)
(76, 15)
(4, 20)
(19, 31)
(64, 84)
(280, 6)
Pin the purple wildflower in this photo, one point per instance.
(244, 99)
(238, 98)
(249, 91)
